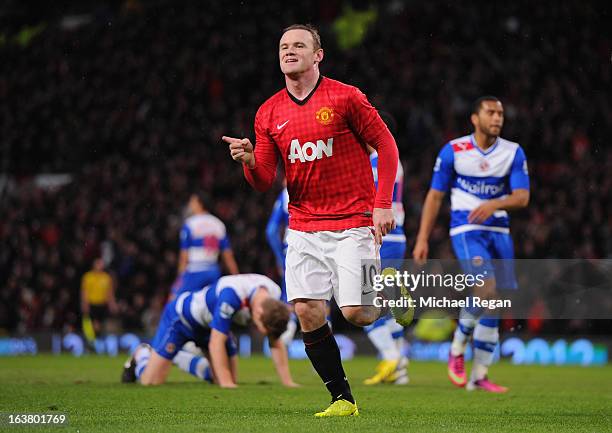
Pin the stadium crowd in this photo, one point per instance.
(133, 104)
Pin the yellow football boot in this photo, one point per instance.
(384, 370)
(339, 408)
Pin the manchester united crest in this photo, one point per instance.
(325, 115)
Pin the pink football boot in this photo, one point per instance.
(456, 370)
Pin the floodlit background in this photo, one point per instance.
(111, 113)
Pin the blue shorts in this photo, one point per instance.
(488, 253)
(194, 281)
(172, 334)
(392, 254)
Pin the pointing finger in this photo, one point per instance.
(231, 140)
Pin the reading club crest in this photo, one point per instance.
(325, 115)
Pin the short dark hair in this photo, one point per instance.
(309, 28)
(203, 197)
(478, 102)
(275, 317)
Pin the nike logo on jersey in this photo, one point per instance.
(310, 151)
(282, 125)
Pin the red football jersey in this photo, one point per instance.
(321, 141)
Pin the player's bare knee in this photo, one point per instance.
(303, 310)
(300, 308)
(310, 313)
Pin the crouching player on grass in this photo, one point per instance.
(205, 317)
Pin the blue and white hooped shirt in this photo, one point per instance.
(203, 237)
(225, 302)
(474, 176)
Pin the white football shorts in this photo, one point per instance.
(325, 263)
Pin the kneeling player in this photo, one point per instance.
(205, 317)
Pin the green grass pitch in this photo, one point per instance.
(541, 399)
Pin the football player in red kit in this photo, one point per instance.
(320, 128)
